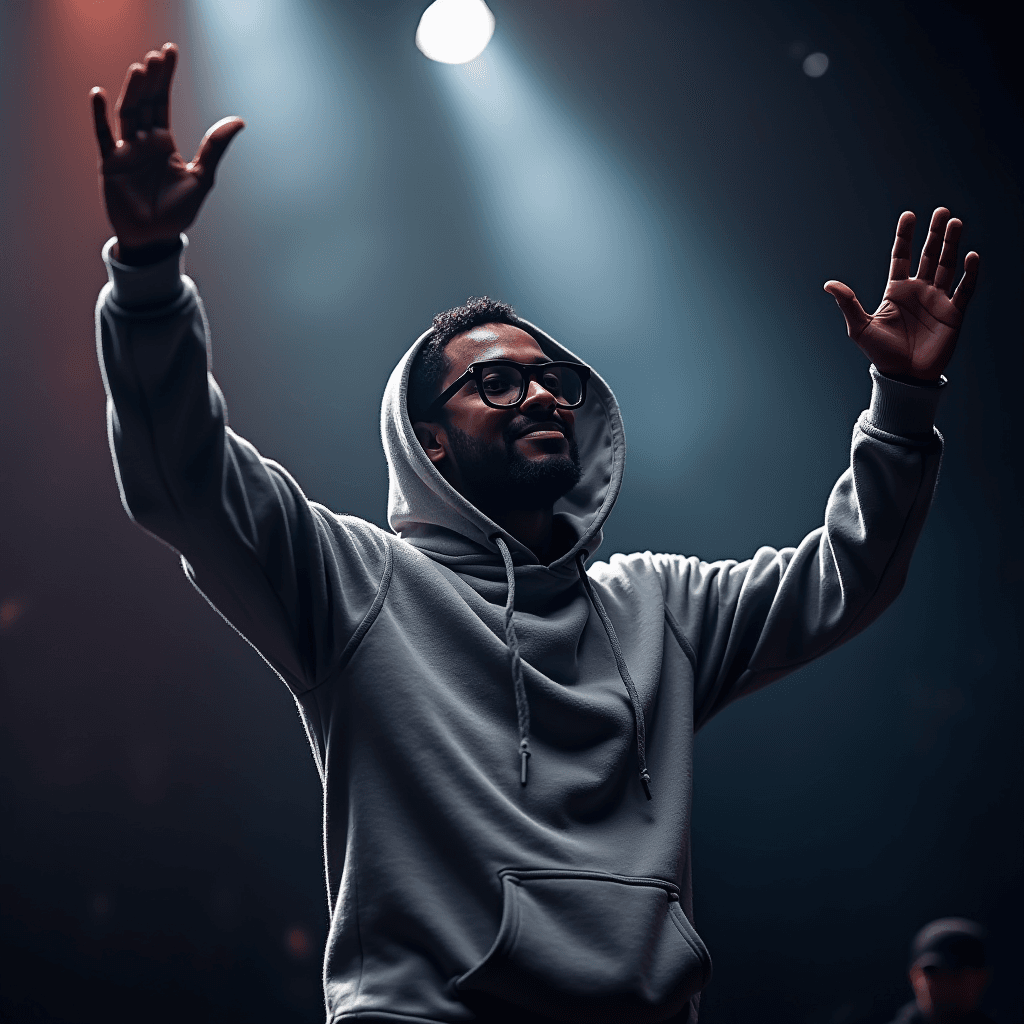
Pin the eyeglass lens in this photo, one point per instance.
(504, 385)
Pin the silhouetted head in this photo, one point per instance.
(948, 969)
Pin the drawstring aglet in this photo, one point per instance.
(524, 754)
(645, 781)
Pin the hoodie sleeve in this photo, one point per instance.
(749, 623)
(294, 579)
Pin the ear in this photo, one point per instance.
(433, 440)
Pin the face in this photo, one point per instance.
(948, 995)
(523, 458)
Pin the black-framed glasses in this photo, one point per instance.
(504, 383)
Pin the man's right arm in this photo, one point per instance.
(292, 577)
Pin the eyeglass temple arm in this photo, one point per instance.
(450, 391)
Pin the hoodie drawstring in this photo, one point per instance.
(512, 642)
(638, 711)
(523, 708)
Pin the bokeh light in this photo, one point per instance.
(298, 942)
(815, 65)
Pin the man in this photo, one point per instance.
(504, 733)
(949, 974)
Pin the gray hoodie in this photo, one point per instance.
(421, 659)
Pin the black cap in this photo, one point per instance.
(949, 943)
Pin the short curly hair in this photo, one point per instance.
(431, 364)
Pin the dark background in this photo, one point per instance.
(660, 186)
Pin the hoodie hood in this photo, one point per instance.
(427, 512)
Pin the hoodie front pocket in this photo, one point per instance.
(591, 947)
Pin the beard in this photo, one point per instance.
(502, 479)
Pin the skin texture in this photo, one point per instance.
(913, 333)
(948, 996)
(543, 430)
(151, 195)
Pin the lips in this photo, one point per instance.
(542, 431)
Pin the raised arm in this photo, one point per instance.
(291, 576)
(748, 623)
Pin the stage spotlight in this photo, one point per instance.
(455, 31)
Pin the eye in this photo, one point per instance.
(552, 382)
(496, 384)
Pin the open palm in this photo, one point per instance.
(150, 193)
(914, 331)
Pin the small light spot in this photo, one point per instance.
(815, 65)
(11, 609)
(798, 50)
(298, 942)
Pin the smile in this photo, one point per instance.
(543, 431)
(541, 435)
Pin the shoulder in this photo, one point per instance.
(352, 535)
(668, 570)
(644, 572)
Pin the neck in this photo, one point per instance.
(531, 528)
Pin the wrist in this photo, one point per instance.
(147, 285)
(906, 408)
(142, 255)
(914, 381)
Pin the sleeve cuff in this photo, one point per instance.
(147, 287)
(906, 410)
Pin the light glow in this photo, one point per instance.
(580, 246)
(455, 31)
(815, 65)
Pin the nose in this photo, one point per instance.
(537, 396)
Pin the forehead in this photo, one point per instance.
(490, 341)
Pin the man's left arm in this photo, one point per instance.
(751, 622)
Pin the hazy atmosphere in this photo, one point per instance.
(663, 187)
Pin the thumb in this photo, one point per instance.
(212, 148)
(856, 319)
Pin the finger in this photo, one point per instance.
(947, 260)
(932, 245)
(852, 310)
(150, 83)
(104, 136)
(162, 95)
(127, 102)
(212, 148)
(965, 289)
(899, 268)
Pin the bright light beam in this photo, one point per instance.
(578, 244)
(278, 65)
(455, 31)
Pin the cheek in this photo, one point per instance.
(484, 426)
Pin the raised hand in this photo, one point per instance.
(151, 194)
(913, 332)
